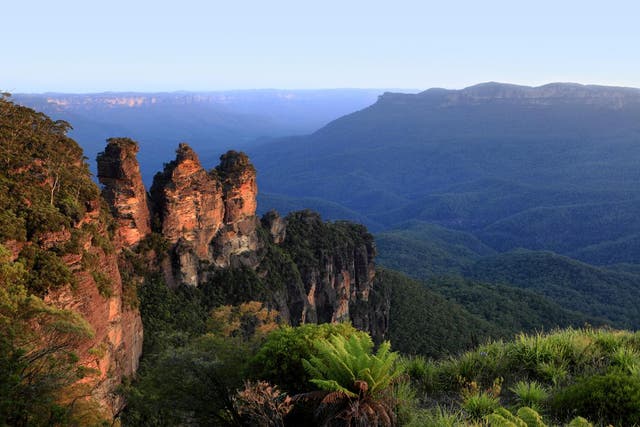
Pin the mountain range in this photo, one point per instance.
(212, 122)
(546, 168)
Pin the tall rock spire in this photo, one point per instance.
(119, 173)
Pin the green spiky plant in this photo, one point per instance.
(525, 417)
(531, 394)
(355, 383)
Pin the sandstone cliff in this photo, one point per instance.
(336, 264)
(119, 173)
(97, 294)
(208, 217)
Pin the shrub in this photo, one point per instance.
(279, 359)
(531, 394)
(261, 404)
(612, 398)
(477, 403)
(480, 405)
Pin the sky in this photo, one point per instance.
(115, 45)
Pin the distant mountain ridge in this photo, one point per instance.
(610, 96)
(212, 122)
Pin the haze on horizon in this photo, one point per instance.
(79, 46)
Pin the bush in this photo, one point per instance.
(478, 403)
(613, 398)
(531, 394)
(279, 360)
(261, 404)
(46, 270)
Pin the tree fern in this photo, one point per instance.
(357, 382)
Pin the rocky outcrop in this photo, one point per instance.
(309, 270)
(336, 266)
(275, 225)
(119, 173)
(208, 217)
(238, 241)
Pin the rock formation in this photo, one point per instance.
(119, 172)
(209, 220)
(339, 277)
(208, 217)
(276, 225)
(238, 239)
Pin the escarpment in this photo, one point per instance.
(309, 270)
(336, 264)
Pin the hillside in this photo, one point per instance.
(551, 167)
(573, 285)
(424, 250)
(519, 290)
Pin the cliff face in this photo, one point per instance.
(116, 347)
(119, 172)
(336, 264)
(238, 239)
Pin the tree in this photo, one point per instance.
(39, 372)
(355, 383)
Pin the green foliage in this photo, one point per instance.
(423, 322)
(480, 405)
(477, 403)
(170, 317)
(341, 364)
(44, 181)
(190, 372)
(233, 286)
(358, 385)
(531, 394)
(511, 310)
(613, 398)
(526, 417)
(46, 270)
(279, 359)
(425, 251)
(38, 366)
(503, 418)
(437, 417)
(585, 372)
(190, 382)
(308, 237)
(580, 422)
(597, 292)
(103, 282)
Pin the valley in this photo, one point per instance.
(496, 219)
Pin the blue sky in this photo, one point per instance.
(85, 46)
